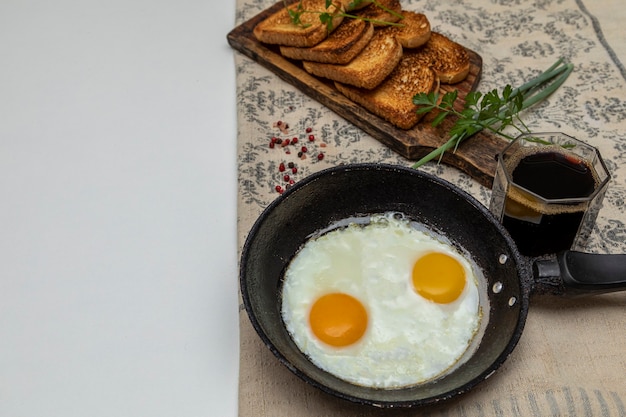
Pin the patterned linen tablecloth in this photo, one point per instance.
(571, 357)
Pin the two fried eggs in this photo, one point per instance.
(381, 304)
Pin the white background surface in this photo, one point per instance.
(118, 286)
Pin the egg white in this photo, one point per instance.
(409, 339)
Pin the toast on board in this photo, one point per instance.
(369, 68)
(414, 32)
(450, 60)
(351, 5)
(279, 29)
(341, 46)
(381, 16)
(393, 99)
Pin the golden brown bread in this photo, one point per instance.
(395, 62)
(351, 5)
(279, 28)
(369, 68)
(449, 59)
(380, 16)
(414, 32)
(341, 46)
(393, 99)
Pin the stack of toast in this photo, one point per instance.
(378, 57)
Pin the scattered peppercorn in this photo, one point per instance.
(287, 179)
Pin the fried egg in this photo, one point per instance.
(381, 304)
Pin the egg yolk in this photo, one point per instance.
(438, 277)
(338, 319)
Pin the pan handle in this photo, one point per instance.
(574, 273)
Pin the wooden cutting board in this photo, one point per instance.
(476, 156)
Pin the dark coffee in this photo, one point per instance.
(552, 174)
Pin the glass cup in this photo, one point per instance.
(547, 191)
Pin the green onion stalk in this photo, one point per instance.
(494, 112)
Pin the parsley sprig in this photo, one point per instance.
(295, 14)
(494, 111)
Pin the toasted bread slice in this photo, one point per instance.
(414, 32)
(341, 46)
(380, 16)
(369, 68)
(449, 59)
(279, 28)
(351, 5)
(393, 99)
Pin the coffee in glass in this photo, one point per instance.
(547, 191)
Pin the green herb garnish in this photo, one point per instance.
(296, 14)
(493, 111)
(327, 18)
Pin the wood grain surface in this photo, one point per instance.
(476, 156)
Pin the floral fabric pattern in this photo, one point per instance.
(517, 39)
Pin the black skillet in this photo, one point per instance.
(325, 198)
